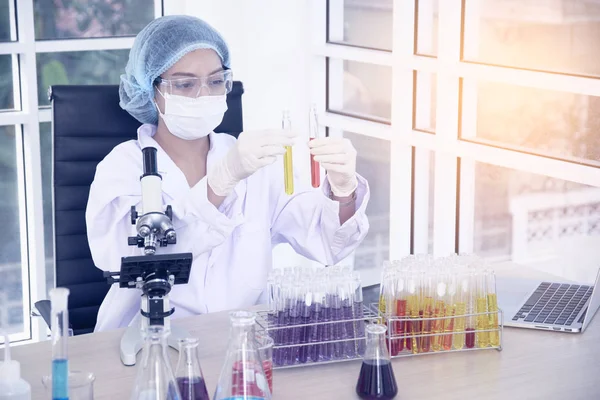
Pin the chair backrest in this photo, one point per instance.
(87, 123)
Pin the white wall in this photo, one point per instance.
(269, 45)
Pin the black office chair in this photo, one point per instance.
(87, 124)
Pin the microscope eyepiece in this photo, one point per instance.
(150, 164)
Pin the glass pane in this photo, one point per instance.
(363, 23)
(556, 124)
(47, 151)
(7, 94)
(425, 84)
(11, 285)
(91, 18)
(8, 26)
(427, 27)
(78, 68)
(559, 36)
(373, 163)
(360, 89)
(424, 181)
(545, 223)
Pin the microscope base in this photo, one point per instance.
(132, 341)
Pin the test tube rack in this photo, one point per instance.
(434, 341)
(303, 344)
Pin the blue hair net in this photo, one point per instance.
(156, 48)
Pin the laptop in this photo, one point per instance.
(555, 306)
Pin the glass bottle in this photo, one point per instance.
(376, 379)
(190, 380)
(155, 380)
(242, 376)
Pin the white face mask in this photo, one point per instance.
(193, 118)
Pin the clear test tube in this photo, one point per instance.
(492, 302)
(59, 298)
(471, 309)
(460, 308)
(439, 309)
(271, 288)
(413, 327)
(426, 311)
(315, 169)
(451, 302)
(285, 320)
(400, 311)
(358, 313)
(288, 165)
(305, 330)
(389, 295)
(316, 331)
(483, 338)
(328, 325)
(385, 281)
(346, 291)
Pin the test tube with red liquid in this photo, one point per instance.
(400, 312)
(471, 309)
(315, 169)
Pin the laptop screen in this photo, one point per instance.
(594, 302)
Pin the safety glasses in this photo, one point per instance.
(217, 84)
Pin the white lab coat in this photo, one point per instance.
(231, 245)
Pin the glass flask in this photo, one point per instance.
(242, 376)
(155, 380)
(376, 379)
(190, 380)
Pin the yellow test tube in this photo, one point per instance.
(483, 338)
(460, 308)
(288, 165)
(492, 303)
(439, 310)
(413, 328)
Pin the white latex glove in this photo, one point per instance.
(338, 157)
(252, 151)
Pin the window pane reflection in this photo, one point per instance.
(559, 36)
(545, 223)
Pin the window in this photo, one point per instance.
(78, 68)
(360, 89)
(541, 121)
(425, 102)
(76, 42)
(8, 28)
(510, 90)
(7, 82)
(364, 23)
(90, 18)
(427, 27)
(423, 200)
(558, 36)
(536, 220)
(373, 163)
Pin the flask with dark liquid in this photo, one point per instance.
(189, 374)
(376, 379)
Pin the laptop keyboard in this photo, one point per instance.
(554, 304)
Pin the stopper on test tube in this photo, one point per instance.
(59, 298)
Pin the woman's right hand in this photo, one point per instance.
(252, 151)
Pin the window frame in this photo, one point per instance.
(26, 120)
(455, 157)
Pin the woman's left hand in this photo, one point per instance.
(338, 157)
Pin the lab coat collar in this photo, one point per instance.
(177, 184)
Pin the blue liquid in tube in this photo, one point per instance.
(60, 371)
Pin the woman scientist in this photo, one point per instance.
(228, 198)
